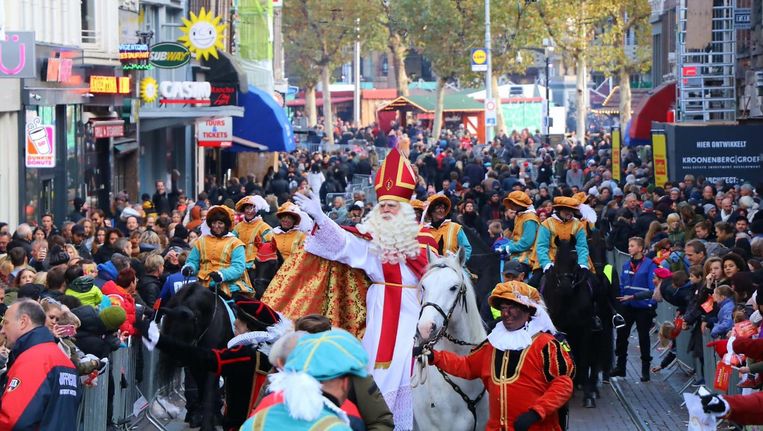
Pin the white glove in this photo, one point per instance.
(309, 204)
(150, 339)
(730, 345)
(547, 267)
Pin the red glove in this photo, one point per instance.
(719, 346)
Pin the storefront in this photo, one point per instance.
(51, 140)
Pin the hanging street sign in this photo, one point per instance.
(491, 117)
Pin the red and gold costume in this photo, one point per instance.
(537, 378)
(291, 241)
(524, 369)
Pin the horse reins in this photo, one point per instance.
(471, 404)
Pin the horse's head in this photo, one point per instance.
(188, 313)
(444, 289)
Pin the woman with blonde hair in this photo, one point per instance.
(655, 227)
(676, 231)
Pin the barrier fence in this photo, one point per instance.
(133, 376)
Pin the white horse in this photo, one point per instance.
(449, 318)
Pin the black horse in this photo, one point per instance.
(486, 265)
(197, 316)
(569, 295)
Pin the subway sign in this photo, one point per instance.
(169, 55)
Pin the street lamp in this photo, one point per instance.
(547, 50)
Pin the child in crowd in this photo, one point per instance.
(722, 323)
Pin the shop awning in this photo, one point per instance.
(264, 126)
(654, 107)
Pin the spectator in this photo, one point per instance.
(722, 323)
(51, 400)
(124, 288)
(22, 238)
(150, 284)
(81, 287)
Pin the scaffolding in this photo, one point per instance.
(706, 89)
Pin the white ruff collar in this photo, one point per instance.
(503, 339)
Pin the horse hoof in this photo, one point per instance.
(589, 403)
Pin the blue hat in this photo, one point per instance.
(328, 355)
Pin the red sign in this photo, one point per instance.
(58, 70)
(223, 95)
(210, 144)
(108, 129)
(689, 71)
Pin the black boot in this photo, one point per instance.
(619, 370)
(645, 370)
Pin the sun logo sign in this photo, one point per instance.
(203, 34)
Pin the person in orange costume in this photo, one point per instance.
(740, 409)
(526, 370)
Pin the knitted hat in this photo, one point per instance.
(112, 317)
(663, 273)
(31, 291)
(328, 355)
(519, 198)
(180, 232)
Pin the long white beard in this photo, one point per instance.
(393, 240)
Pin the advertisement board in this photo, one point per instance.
(616, 149)
(731, 153)
(40, 145)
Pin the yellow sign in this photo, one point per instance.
(149, 90)
(660, 159)
(479, 56)
(203, 34)
(616, 152)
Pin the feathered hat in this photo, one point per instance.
(257, 201)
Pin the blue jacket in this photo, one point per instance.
(725, 319)
(174, 283)
(637, 282)
(41, 390)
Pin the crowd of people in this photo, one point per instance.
(77, 292)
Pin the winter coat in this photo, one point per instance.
(83, 289)
(149, 288)
(41, 389)
(92, 336)
(127, 302)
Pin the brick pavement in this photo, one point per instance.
(609, 414)
(656, 403)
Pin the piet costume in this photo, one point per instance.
(224, 255)
(448, 234)
(288, 241)
(527, 372)
(301, 404)
(252, 232)
(390, 305)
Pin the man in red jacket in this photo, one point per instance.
(40, 389)
(526, 371)
(740, 409)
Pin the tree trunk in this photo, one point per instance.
(437, 125)
(582, 93)
(500, 126)
(625, 98)
(398, 64)
(328, 115)
(311, 111)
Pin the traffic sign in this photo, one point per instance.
(479, 60)
(491, 117)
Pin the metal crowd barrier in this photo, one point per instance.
(130, 382)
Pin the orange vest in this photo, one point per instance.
(289, 242)
(248, 232)
(527, 256)
(448, 232)
(556, 228)
(214, 255)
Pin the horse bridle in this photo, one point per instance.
(471, 404)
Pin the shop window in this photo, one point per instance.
(87, 13)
